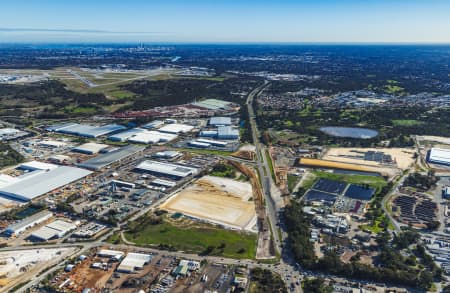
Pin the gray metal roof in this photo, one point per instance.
(41, 182)
(104, 160)
(220, 121)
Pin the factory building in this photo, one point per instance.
(200, 145)
(168, 155)
(56, 229)
(227, 132)
(439, 156)
(90, 148)
(126, 135)
(215, 143)
(112, 254)
(35, 166)
(166, 170)
(31, 221)
(134, 261)
(51, 144)
(208, 133)
(104, 160)
(176, 128)
(85, 130)
(34, 184)
(220, 121)
(152, 137)
(154, 124)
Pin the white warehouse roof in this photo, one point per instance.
(85, 130)
(28, 222)
(124, 136)
(110, 253)
(150, 137)
(55, 229)
(90, 148)
(439, 156)
(40, 182)
(134, 261)
(175, 170)
(35, 165)
(220, 121)
(176, 128)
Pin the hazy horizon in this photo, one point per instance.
(220, 22)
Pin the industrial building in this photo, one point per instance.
(104, 160)
(165, 169)
(176, 128)
(52, 144)
(169, 155)
(134, 261)
(56, 229)
(11, 133)
(220, 121)
(31, 221)
(208, 133)
(40, 182)
(153, 124)
(125, 135)
(85, 130)
(35, 165)
(200, 145)
(152, 137)
(90, 148)
(212, 142)
(112, 254)
(186, 266)
(439, 156)
(227, 132)
(213, 104)
(163, 183)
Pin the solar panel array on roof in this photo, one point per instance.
(330, 186)
(359, 192)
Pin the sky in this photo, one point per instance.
(220, 21)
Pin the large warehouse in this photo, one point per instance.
(20, 227)
(134, 261)
(56, 229)
(40, 182)
(85, 130)
(125, 135)
(165, 169)
(104, 160)
(152, 137)
(439, 156)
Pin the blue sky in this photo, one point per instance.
(417, 21)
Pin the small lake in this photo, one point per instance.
(351, 132)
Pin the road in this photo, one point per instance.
(272, 197)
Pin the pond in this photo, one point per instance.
(351, 132)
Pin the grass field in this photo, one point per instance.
(373, 181)
(292, 180)
(376, 227)
(406, 123)
(192, 237)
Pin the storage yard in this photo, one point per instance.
(218, 200)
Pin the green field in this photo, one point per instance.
(292, 180)
(375, 227)
(192, 237)
(270, 163)
(406, 122)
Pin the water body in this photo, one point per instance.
(350, 132)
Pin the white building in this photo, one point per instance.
(439, 156)
(56, 229)
(165, 169)
(134, 261)
(31, 221)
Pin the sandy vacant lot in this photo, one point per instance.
(16, 266)
(403, 156)
(218, 200)
(440, 139)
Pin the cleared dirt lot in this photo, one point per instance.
(218, 200)
(18, 266)
(402, 156)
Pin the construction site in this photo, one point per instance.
(221, 201)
